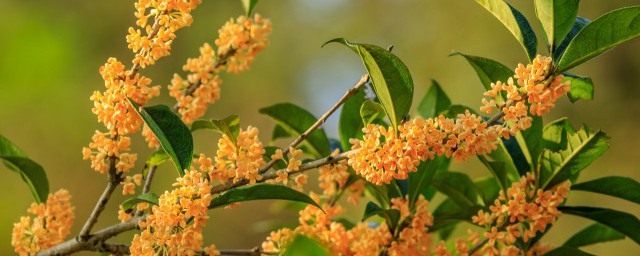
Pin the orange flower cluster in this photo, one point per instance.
(47, 228)
(533, 86)
(174, 226)
(333, 176)
(168, 16)
(418, 140)
(201, 88)
(360, 240)
(237, 159)
(293, 162)
(387, 154)
(412, 239)
(241, 39)
(103, 147)
(523, 212)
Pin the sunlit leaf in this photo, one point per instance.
(304, 246)
(581, 87)
(621, 187)
(623, 222)
(131, 203)
(260, 191)
(370, 111)
(556, 17)
(434, 102)
(31, 172)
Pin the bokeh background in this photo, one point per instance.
(50, 52)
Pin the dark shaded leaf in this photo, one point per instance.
(434, 102)
(175, 137)
(623, 222)
(348, 126)
(260, 191)
(593, 234)
(621, 187)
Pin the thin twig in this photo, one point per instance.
(114, 180)
(147, 184)
(320, 120)
(74, 245)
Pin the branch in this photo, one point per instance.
(320, 120)
(114, 180)
(76, 245)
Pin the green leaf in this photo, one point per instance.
(157, 158)
(554, 135)
(532, 145)
(31, 173)
(420, 181)
(370, 111)
(457, 109)
(345, 222)
(581, 87)
(617, 186)
(457, 186)
(249, 5)
(578, 25)
(304, 246)
(556, 17)
(348, 126)
(175, 137)
(515, 22)
(602, 34)
(391, 216)
(261, 191)
(229, 126)
(583, 148)
(564, 250)
(490, 189)
(593, 234)
(623, 222)
(7, 148)
(296, 120)
(434, 102)
(489, 71)
(130, 203)
(279, 133)
(449, 213)
(390, 77)
(499, 171)
(268, 152)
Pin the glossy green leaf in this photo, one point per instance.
(304, 246)
(578, 24)
(581, 87)
(623, 222)
(518, 151)
(564, 251)
(489, 71)
(370, 111)
(498, 170)
(249, 5)
(391, 216)
(296, 120)
(593, 234)
(175, 137)
(489, 188)
(348, 126)
(515, 22)
(556, 17)
(434, 102)
(449, 213)
(279, 133)
(261, 191)
(229, 126)
(531, 144)
(389, 76)
(555, 135)
(457, 186)
(420, 181)
(583, 147)
(131, 203)
(617, 186)
(31, 172)
(602, 34)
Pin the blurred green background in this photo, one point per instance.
(50, 52)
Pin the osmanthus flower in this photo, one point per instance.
(360, 240)
(239, 40)
(168, 17)
(392, 153)
(333, 176)
(112, 106)
(174, 226)
(105, 146)
(48, 227)
(412, 239)
(201, 88)
(239, 158)
(522, 213)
